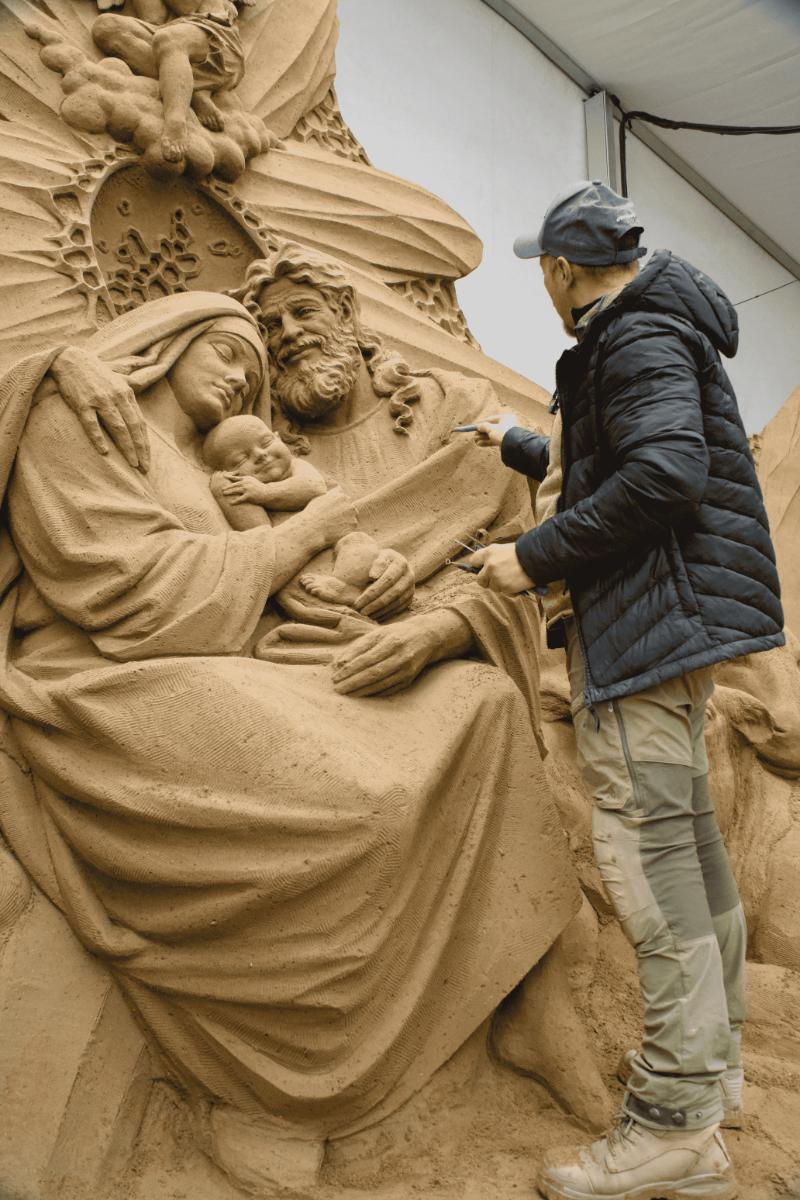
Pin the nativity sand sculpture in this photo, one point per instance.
(258, 857)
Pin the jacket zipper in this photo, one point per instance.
(554, 407)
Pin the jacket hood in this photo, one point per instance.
(669, 285)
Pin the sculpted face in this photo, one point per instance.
(213, 378)
(246, 446)
(313, 350)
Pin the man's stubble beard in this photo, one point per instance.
(313, 388)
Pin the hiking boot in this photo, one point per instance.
(633, 1162)
(731, 1083)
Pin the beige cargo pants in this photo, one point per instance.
(664, 865)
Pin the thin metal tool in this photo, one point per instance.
(473, 549)
(449, 562)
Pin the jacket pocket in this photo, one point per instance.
(680, 576)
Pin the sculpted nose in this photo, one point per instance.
(236, 375)
(290, 328)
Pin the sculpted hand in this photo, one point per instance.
(309, 645)
(501, 570)
(492, 430)
(102, 399)
(386, 659)
(393, 589)
(301, 605)
(242, 489)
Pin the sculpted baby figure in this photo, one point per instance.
(256, 473)
(254, 470)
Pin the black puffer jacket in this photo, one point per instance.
(661, 532)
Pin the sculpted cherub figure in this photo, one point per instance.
(192, 47)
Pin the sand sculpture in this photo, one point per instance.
(231, 873)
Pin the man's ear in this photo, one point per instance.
(347, 306)
(564, 272)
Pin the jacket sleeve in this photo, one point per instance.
(526, 452)
(649, 403)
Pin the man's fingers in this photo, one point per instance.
(371, 656)
(91, 427)
(384, 560)
(131, 415)
(356, 650)
(380, 674)
(400, 592)
(394, 571)
(395, 610)
(118, 432)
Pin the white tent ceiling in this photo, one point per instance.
(717, 61)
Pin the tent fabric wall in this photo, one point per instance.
(451, 96)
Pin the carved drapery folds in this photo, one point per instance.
(318, 187)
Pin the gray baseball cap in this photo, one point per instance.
(584, 224)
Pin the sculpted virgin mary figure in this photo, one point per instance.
(309, 899)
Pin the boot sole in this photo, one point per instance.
(696, 1187)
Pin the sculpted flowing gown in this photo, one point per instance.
(311, 900)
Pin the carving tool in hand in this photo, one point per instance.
(448, 562)
(465, 429)
(535, 590)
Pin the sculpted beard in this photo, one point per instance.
(311, 388)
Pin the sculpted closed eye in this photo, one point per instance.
(224, 351)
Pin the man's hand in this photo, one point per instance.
(386, 659)
(492, 430)
(501, 570)
(393, 589)
(102, 399)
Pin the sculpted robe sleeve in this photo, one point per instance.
(105, 554)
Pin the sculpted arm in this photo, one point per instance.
(102, 400)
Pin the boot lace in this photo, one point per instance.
(623, 1132)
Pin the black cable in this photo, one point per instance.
(627, 118)
(623, 156)
(768, 292)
